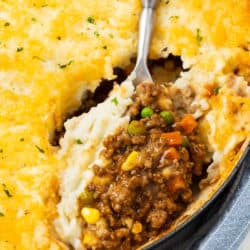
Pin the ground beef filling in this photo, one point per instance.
(148, 181)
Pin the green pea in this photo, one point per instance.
(87, 197)
(146, 112)
(135, 128)
(168, 117)
(185, 142)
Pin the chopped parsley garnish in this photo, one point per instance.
(78, 141)
(199, 38)
(62, 66)
(174, 17)
(7, 24)
(38, 58)
(115, 101)
(1, 214)
(40, 149)
(26, 212)
(217, 90)
(33, 19)
(96, 33)
(44, 5)
(21, 139)
(164, 49)
(111, 35)
(105, 47)
(91, 19)
(19, 49)
(6, 191)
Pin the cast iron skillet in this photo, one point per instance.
(194, 228)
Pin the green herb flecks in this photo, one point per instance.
(6, 24)
(91, 19)
(164, 49)
(6, 191)
(105, 47)
(40, 149)
(174, 17)
(63, 66)
(96, 33)
(78, 141)
(19, 49)
(1, 214)
(216, 90)
(199, 38)
(115, 101)
(38, 58)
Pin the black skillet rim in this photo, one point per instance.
(161, 240)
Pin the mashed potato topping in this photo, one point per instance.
(52, 52)
(81, 147)
(196, 28)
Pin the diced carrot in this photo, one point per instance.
(176, 184)
(188, 123)
(137, 228)
(172, 138)
(172, 154)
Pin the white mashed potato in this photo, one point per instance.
(81, 147)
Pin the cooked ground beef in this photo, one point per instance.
(148, 180)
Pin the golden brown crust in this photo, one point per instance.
(50, 54)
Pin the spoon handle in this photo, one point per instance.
(144, 38)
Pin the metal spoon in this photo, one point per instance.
(141, 71)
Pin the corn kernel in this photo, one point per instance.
(131, 161)
(167, 172)
(89, 239)
(137, 228)
(90, 215)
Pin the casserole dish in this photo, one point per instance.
(54, 53)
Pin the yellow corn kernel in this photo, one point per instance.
(167, 172)
(89, 239)
(131, 161)
(137, 228)
(90, 215)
